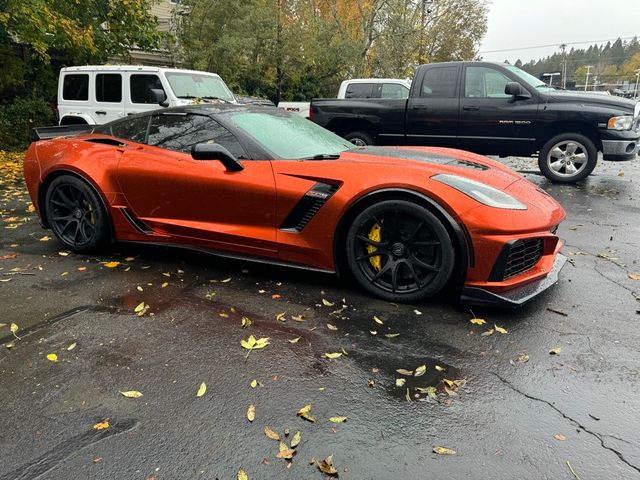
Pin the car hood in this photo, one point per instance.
(593, 99)
(430, 161)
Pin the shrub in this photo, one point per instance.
(18, 117)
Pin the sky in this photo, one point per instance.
(517, 24)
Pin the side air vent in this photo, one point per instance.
(468, 164)
(106, 141)
(308, 206)
(138, 224)
(517, 257)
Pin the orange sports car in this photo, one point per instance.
(259, 183)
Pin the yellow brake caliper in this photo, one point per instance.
(375, 235)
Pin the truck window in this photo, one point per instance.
(181, 132)
(109, 87)
(141, 86)
(359, 90)
(484, 82)
(76, 87)
(439, 82)
(394, 90)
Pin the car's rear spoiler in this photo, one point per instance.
(43, 133)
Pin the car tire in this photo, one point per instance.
(415, 256)
(360, 139)
(568, 158)
(76, 214)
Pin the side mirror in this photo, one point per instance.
(215, 151)
(516, 90)
(158, 96)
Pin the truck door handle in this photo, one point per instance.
(420, 107)
(131, 113)
(101, 112)
(471, 108)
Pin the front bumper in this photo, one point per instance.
(516, 296)
(621, 150)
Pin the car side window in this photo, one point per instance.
(181, 132)
(439, 82)
(359, 90)
(394, 90)
(109, 87)
(76, 87)
(485, 82)
(141, 85)
(134, 128)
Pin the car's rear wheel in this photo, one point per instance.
(568, 158)
(76, 214)
(359, 139)
(399, 251)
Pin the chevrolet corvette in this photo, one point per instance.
(258, 183)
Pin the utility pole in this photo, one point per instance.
(637, 78)
(586, 82)
(563, 47)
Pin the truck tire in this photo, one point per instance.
(568, 158)
(360, 139)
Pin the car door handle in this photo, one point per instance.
(471, 108)
(131, 113)
(101, 112)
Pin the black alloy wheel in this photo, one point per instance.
(400, 251)
(76, 215)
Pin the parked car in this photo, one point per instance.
(260, 183)
(98, 94)
(358, 88)
(493, 109)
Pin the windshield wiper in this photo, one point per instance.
(323, 156)
(193, 97)
(216, 98)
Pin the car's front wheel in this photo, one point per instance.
(76, 214)
(568, 158)
(399, 251)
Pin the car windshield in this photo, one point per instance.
(289, 136)
(530, 79)
(194, 85)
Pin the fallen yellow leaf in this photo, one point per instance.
(242, 475)
(404, 371)
(294, 340)
(332, 327)
(439, 368)
(478, 321)
(326, 466)
(202, 390)
(52, 357)
(338, 419)
(103, 425)
(271, 434)
(400, 382)
(421, 370)
(295, 441)
(131, 394)
(327, 303)
(254, 383)
(305, 412)
(560, 437)
(634, 276)
(333, 355)
(555, 351)
(377, 320)
(444, 451)
(499, 329)
(111, 264)
(251, 413)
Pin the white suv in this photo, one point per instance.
(99, 94)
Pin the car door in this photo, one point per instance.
(433, 107)
(109, 99)
(492, 122)
(196, 200)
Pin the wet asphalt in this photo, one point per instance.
(513, 410)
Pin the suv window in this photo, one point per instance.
(181, 132)
(439, 82)
(109, 87)
(359, 90)
(76, 87)
(134, 128)
(484, 82)
(394, 90)
(141, 85)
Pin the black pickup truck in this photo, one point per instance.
(493, 109)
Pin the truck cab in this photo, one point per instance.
(98, 94)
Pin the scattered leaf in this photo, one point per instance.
(417, 312)
(286, 452)
(245, 322)
(281, 317)
(242, 475)
(275, 296)
(444, 451)
(305, 412)
(421, 370)
(373, 332)
(555, 351)
(560, 437)
(111, 264)
(332, 327)
(439, 368)
(103, 425)
(333, 355)
(403, 371)
(378, 321)
(14, 329)
(251, 413)
(634, 276)
(338, 419)
(254, 344)
(294, 340)
(326, 466)
(489, 332)
(46, 238)
(254, 383)
(202, 390)
(522, 358)
(131, 394)
(327, 303)
(271, 434)
(298, 318)
(226, 280)
(391, 335)
(430, 391)
(52, 357)
(478, 321)
(400, 382)
(164, 285)
(295, 441)
(500, 329)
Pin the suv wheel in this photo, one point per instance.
(568, 158)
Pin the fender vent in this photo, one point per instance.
(468, 164)
(308, 206)
(138, 224)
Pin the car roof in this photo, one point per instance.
(131, 68)
(210, 109)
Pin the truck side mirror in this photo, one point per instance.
(516, 90)
(215, 151)
(158, 96)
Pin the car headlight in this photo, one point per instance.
(620, 123)
(480, 192)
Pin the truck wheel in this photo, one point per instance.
(360, 139)
(568, 158)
